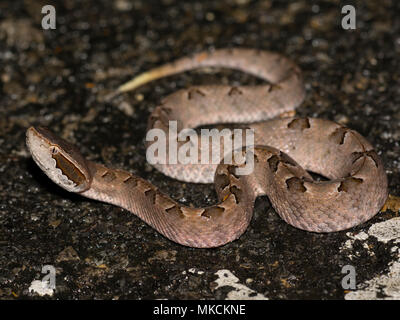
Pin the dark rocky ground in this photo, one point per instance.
(61, 79)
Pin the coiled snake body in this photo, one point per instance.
(286, 148)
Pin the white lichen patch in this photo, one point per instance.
(195, 271)
(41, 288)
(348, 245)
(385, 286)
(240, 291)
(386, 231)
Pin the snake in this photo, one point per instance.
(289, 155)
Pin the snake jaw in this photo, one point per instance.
(58, 159)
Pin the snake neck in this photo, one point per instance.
(195, 227)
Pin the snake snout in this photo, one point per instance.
(59, 159)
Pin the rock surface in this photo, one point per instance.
(63, 78)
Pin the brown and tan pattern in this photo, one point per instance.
(285, 149)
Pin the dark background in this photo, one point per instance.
(63, 79)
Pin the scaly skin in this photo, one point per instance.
(284, 149)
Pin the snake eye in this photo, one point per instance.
(54, 150)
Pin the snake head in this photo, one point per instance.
(60, 160)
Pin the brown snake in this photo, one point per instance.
(355, 191)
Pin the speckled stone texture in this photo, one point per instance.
(64, 78)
